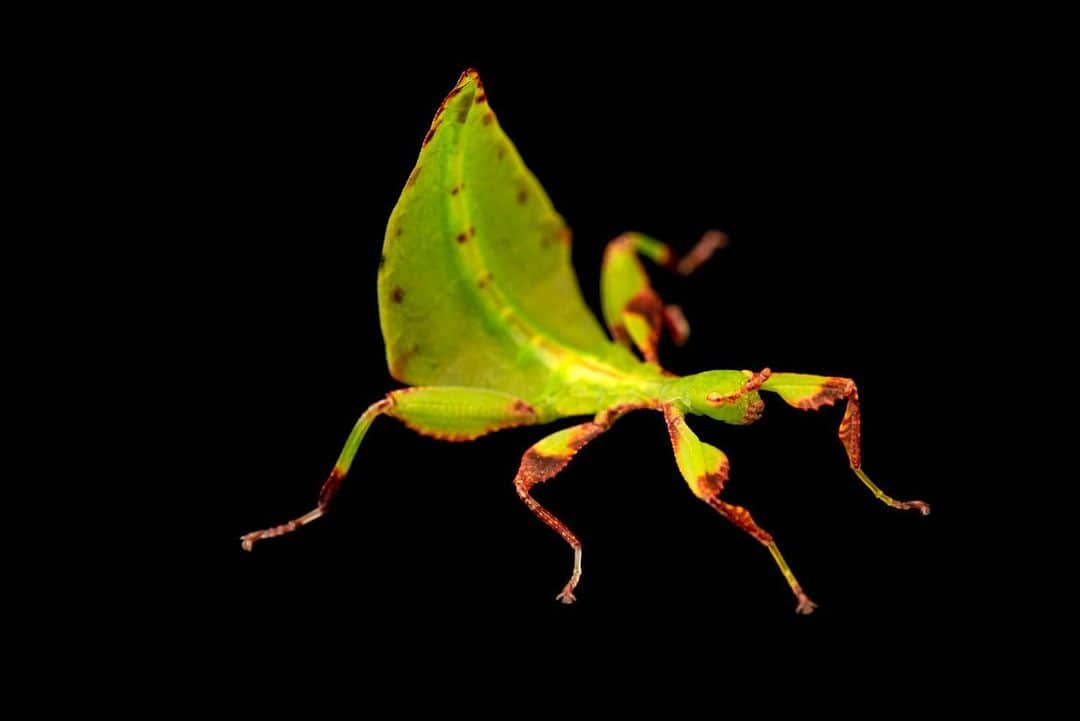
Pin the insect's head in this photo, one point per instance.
(716, 394)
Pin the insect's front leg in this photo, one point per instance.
(809, 393)
(632, 309)
(705, 469)
(446, 413)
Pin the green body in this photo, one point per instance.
(476, 289)
(483, 318)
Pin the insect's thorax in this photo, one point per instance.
(584, 385)
(730, 403)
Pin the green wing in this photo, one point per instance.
(475, 284)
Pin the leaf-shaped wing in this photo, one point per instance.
(475, 285)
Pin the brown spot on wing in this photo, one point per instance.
(488, 117)
(522, 195)
(397, 295)
(462, 237)
(520, 407)
(481, 97)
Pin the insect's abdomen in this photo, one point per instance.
(476, 287)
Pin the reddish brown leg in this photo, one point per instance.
(633, 310)
(705, 469)
(677, 325)
(545, 460)
(809, 393)
(742, 518)
(330, 485)
(643, 318)
(447, 413)
(710, 242)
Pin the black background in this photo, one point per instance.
(833, 167)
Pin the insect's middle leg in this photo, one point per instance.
(545, 460)
(705, 469)
(632, 309)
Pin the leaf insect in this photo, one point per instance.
(485, 323)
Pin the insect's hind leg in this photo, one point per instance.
(446, 413)
(809, 393)
(332, 482)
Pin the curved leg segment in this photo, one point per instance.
(705, 469)
(545, 460)
(632, 309)
(447, 413)
(809, 393)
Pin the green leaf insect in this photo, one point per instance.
(483, 318)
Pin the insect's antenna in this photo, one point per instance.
(755, 381)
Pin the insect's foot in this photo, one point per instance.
(806, 606)
(920, 506)
(566, 595)
(247, 541)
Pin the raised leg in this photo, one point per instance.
(809, 393)
(705, 469)
(450, 414)
(546, 459)
(632, 309)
